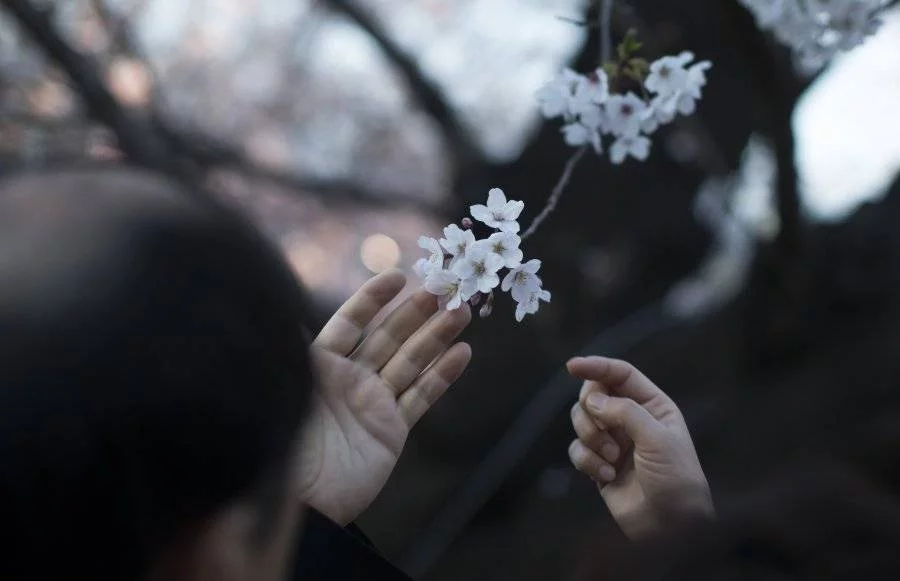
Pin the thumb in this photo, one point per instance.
(626, 414)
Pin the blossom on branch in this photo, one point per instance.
(668, 87)
(457, 241)
(498, 213)
(425, 266)
(461, 268)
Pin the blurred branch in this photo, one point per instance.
(150, 141)
(465, 150)
(212, 153)
(122, 40)
(136, 137)
(606, 41)
(117, 25)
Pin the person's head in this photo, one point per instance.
(814, 523)
(154, 376)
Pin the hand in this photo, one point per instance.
(633, 441)
(370, 396)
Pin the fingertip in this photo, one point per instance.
(393, 277)
(573, 363)
(466, 312)
(459, 356)
(590, 367)
(463, 350)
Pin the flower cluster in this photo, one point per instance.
(591, 110)
(461, 268)
(816, 30)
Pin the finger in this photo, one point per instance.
(589, 387)
(626, 414)
(616, 376)
(389, 336)
(597, 440)
(343, 331)
(424, 347)
(618, 435)
(590, 463)
(432, 384)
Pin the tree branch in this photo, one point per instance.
(136, 137)
(606, 42)
(557, 192)
(150, 141)
(464, 148)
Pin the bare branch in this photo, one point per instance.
(557, 193)
(606, 43)
(133, 130)
(152, 142)
(426, 92)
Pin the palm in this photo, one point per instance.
(370, 397)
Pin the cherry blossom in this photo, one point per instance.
(532, 303)
(590, 111)
(625, 114)
(499, 213)
(636, 146)
(577, 134)
(555, 97)
(461, 268)
(506, 246)
(480, 265)
(668, 74)
(435, 261)
(523, 280)
(457, 241)
(451, 289)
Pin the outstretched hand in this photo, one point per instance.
(633, 441)
(371, 393)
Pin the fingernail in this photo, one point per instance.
(607, 473)
(595, 402)
(610, 452)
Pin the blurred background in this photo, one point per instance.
(751, 266)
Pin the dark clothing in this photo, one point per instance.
(327, 552)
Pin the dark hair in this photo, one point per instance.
(819, 523)
(154, 367)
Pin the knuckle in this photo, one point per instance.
(587, 388)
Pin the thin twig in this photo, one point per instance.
(576, 22)
(605, 31)
(557, 192)
(560, 187)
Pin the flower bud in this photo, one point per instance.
(466, 223)
(476, 299)
(488, 306)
